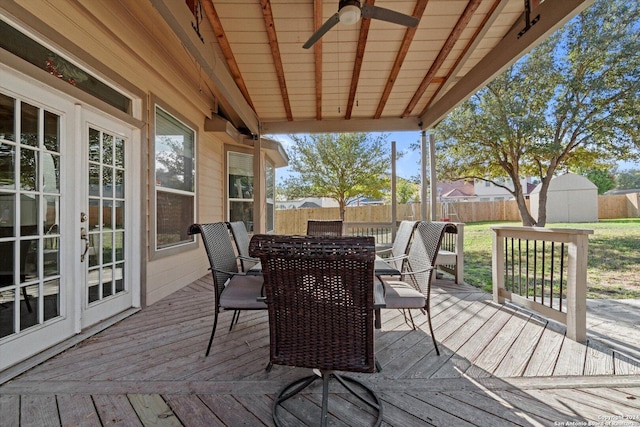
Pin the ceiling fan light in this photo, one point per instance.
(349, 14)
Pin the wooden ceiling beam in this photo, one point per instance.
(463, 21)
(418, 11)
(275, 53)
(317, 54)
(490, 17)
(357, 65)
(553, 14)
(225, 47)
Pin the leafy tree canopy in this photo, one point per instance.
(629, 180)
(341, 166)
(602, 178)
(572, 103)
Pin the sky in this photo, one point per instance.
(409, 165)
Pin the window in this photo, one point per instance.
(240, 173)
(174, 180)
(270, 182)
(42, 57)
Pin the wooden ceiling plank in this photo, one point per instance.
(318, 19)
(225, 47)
(444, 52)
(275, 52)
(490, 17)
(357, 65)
(511, 47)
(402, 53)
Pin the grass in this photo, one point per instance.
(613, 260)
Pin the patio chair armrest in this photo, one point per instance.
(248, 258)
(383, 251)
(414, 272)
(230, 273)
(396, 258)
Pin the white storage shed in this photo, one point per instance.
(570, 198)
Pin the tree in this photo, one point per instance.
(572, 103)
(407, 190)
(601, 178)
(629, 180)
(343, 167)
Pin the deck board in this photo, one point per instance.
(499, 366)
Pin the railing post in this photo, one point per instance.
(497, 266)
(577, 289)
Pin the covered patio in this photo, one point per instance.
(500, 366)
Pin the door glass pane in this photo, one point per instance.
(28, 260)
(7, 118)
(51, 257)
(119, 183)
(119, 152)
(7, 166)
(51, 132)
(28, 170)
(107, 248)
(29, 128)
(118, 275)
(119, 215)
(51, 172)
(29, 302)
(51, 299)
(107, 181)
(107, 214)
(8, 302)
(94, 180)
(94, 249)
(93, 285)
(94, 145)
(7, 214)
(107, 149)
(29, 205)
(6, 264)
(107, 282)
(51, 214)
(119, 246)
(94, 214)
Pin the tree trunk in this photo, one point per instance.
(342, 207)
(527, 218)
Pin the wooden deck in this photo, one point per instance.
(499, 367)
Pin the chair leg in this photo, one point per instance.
(433, 337)
(213, 332)
(297, 386)
(234, 319)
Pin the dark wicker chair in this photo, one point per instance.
(414, 289)
(233, 290)
(324, 227)
(319, 294)
(241, 239)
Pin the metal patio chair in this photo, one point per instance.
(233, 290)
(396, 255)
(241, 239)
(319, 294)
(324, 227)
(413, 290)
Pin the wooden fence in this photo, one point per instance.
(294, 221)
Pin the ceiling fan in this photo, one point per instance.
(350, 11)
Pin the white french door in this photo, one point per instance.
(108, 212)
(69, 217)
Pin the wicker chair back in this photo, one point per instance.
(324, 227)
(319, 294)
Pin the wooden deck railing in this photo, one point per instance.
(543, 269)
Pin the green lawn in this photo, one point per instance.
(614, 256)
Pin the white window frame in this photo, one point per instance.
(182, 246)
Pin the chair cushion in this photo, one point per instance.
(400, 294)
(242, 292)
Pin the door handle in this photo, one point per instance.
(83, 236)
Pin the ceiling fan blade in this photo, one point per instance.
(329, 24)
(375, 12)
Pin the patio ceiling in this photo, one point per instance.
(371, 76)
